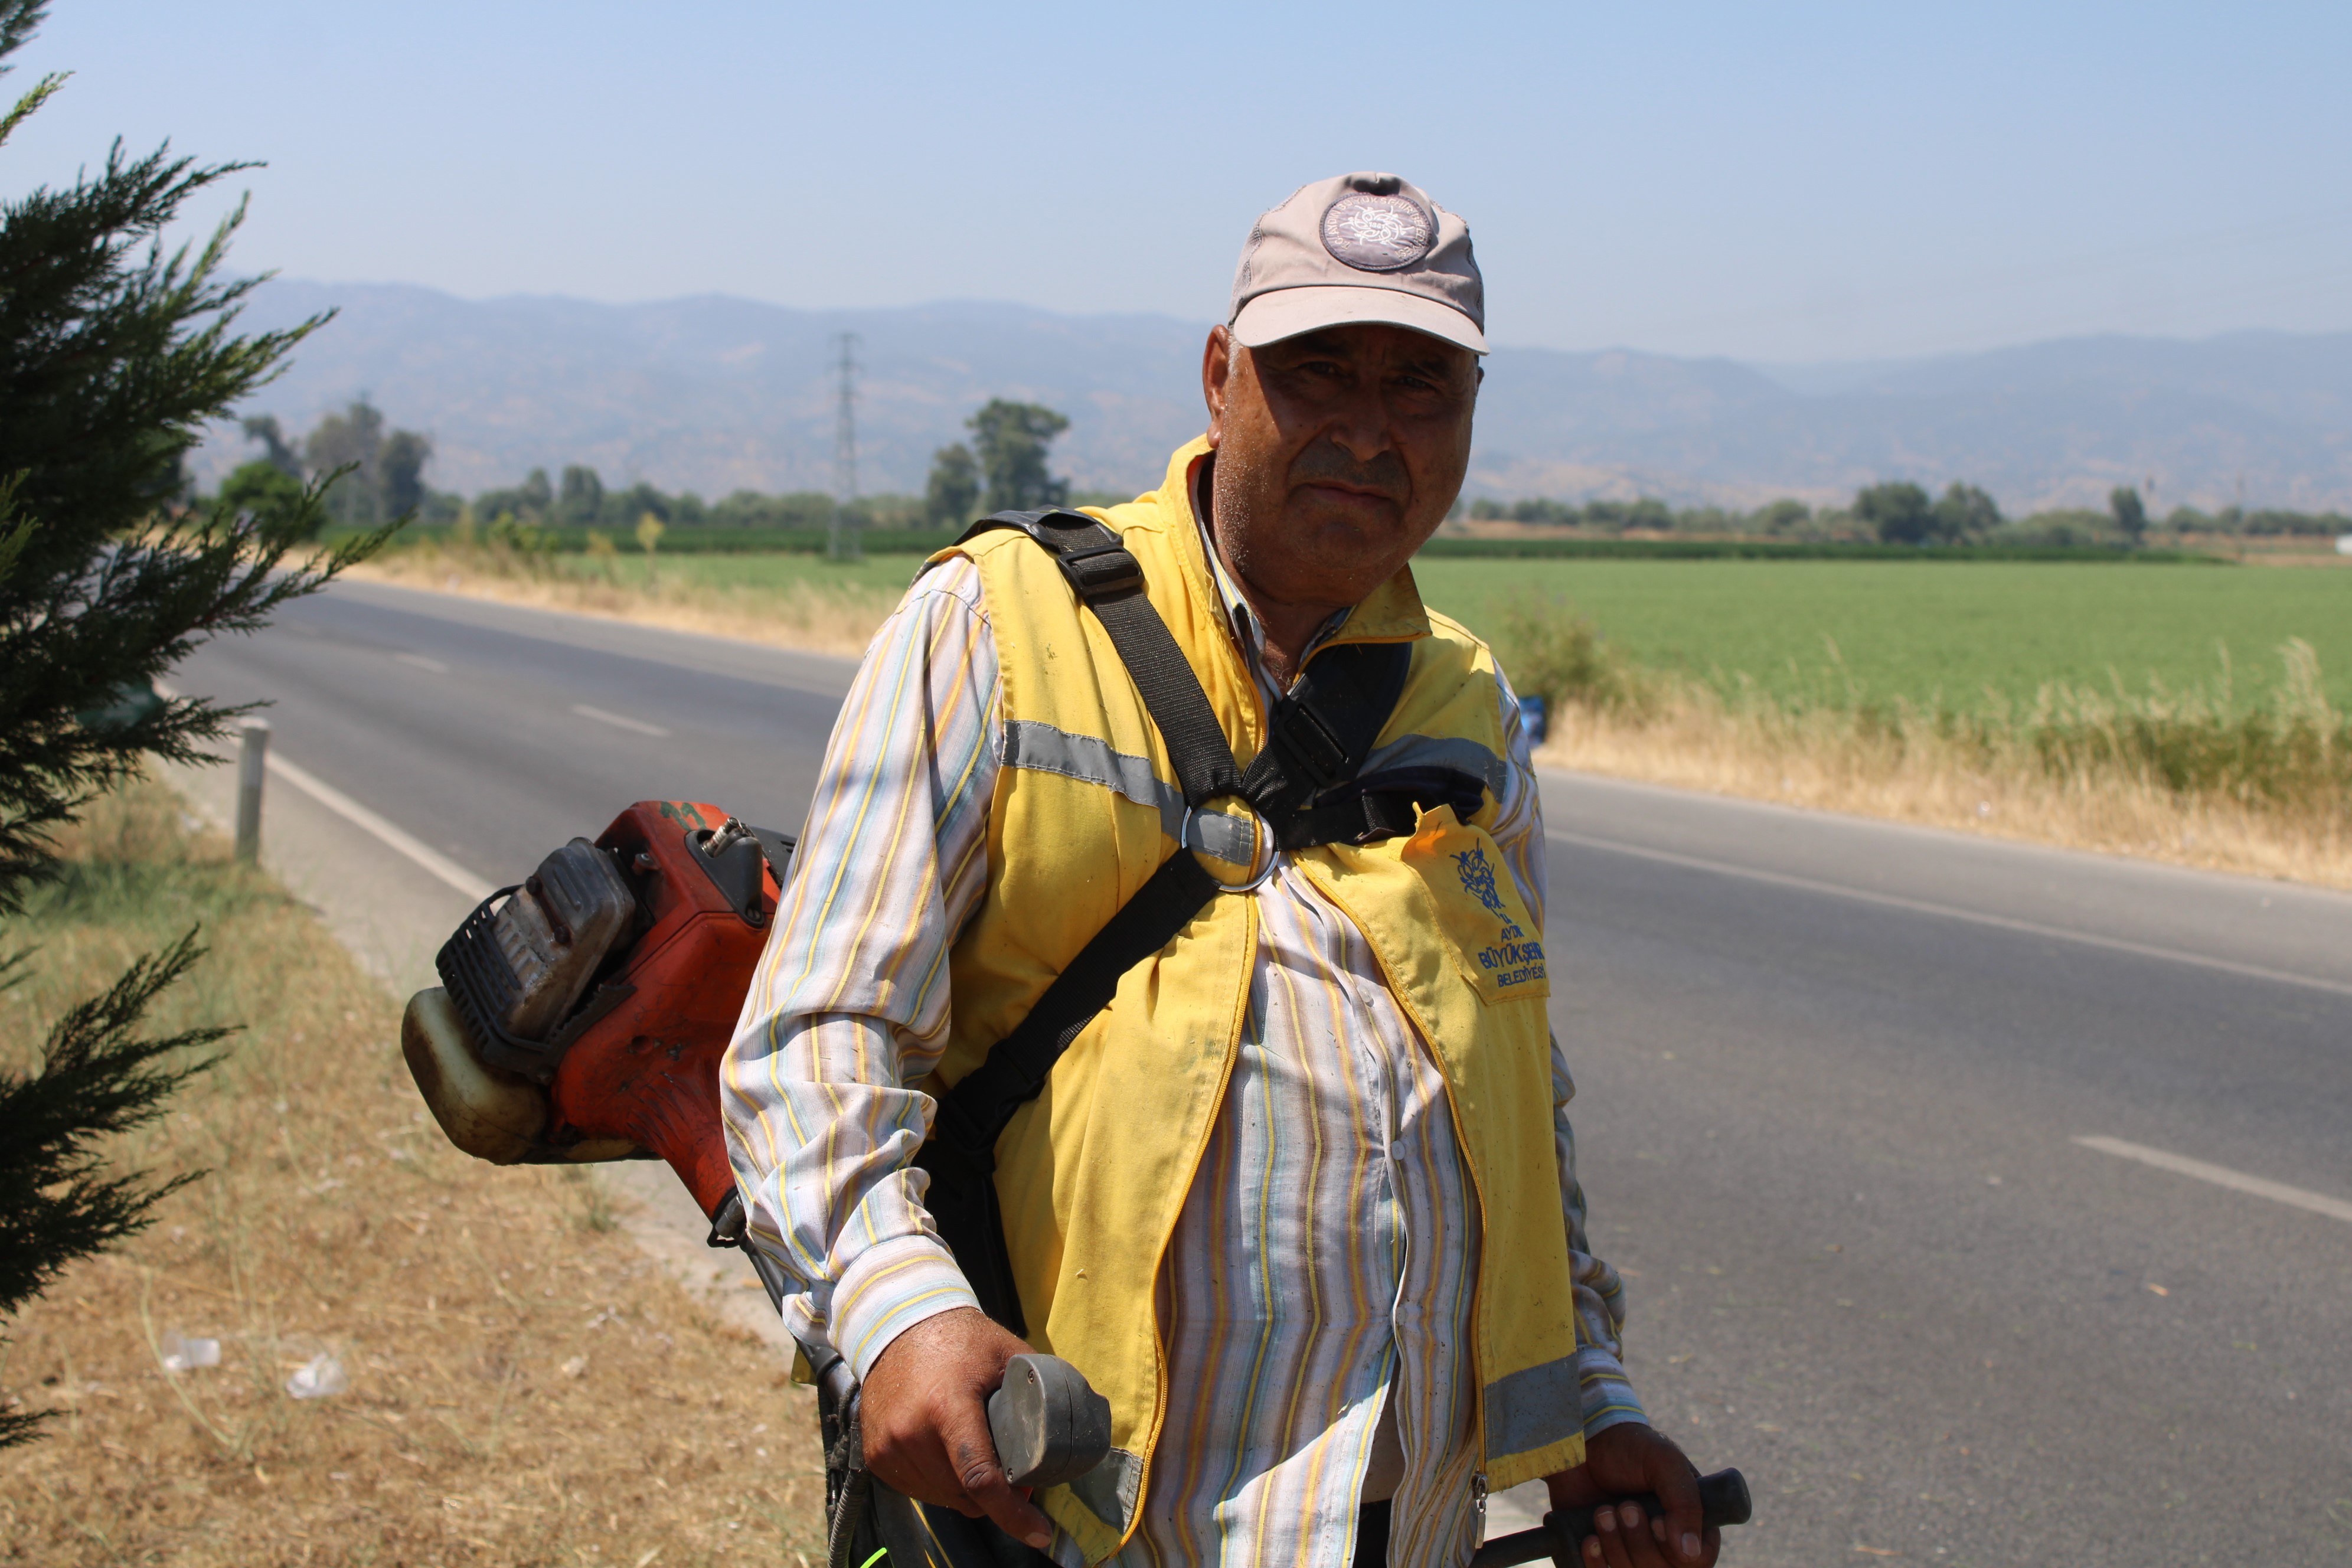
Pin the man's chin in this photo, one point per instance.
(1352, 531)
(1326, 506)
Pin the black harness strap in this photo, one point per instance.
(1303, 782)
(1110, 582)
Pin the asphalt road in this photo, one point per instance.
(1834, 1075)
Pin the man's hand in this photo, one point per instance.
(1625, 1460)
(924, 1413)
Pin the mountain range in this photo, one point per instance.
(715, 394)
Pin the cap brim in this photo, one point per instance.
(1287, 312)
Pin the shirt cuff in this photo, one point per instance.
(889, 1290)
(1609, 1397)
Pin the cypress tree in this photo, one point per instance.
(115, 352)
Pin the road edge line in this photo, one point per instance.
(396, 838)
(1952, 912)
(2221, 1176)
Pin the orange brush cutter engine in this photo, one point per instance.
(581, 1014)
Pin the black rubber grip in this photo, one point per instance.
(1048, 1425)
(1723, 1499)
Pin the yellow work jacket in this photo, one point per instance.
(1092, 1173)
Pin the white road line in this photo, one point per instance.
(421, 662)
(2223, 1176)
(1948, 912)
(360, 817)
(638, 725)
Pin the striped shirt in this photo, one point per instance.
(1316, 1300)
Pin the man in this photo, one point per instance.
(1301, 1201)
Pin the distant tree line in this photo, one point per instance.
(579, 498)
(1004, 465)
(1901, 513)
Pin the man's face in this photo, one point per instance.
(1339, 453)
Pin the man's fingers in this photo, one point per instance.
(1608, 1536)
(1639, 1528)
(916, 1465)
(1677, 1484)
(982, 1479)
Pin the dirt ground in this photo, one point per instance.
(524, 1386)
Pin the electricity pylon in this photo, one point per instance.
(842, 540)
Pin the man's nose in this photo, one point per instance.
(1360, 427)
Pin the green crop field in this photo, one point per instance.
(1932, 632)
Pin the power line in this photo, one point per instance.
(842, 540)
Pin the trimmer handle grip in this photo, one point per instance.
(1722, 1499)
(1049, 1425)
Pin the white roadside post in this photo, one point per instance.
(253, 754)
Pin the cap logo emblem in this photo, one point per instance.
(1377, 234)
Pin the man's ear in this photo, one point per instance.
(1216, 370)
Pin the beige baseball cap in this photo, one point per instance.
(1361, 248)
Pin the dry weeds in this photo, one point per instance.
(798, 616)
(1688, 738)
(525, 1387)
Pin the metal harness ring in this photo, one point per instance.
(1266, 832)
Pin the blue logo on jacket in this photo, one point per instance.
(1514, 960)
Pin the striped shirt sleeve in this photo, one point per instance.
(848, 1008)
(1609, 1397)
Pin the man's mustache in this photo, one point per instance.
(1326, 461)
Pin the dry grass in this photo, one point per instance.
(1824, 761)
(795, 616)
(525, 1387)
(2198, 777)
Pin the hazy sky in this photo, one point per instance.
(1776, 182)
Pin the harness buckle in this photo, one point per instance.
(1102, 572)
(1307, 740)
(1265, 834)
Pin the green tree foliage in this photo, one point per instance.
(269, 493)
(1645, 515)
(2129, 513)
(579, 497)
(750, 509)
(1898, 512)
(352, 441)
(400, 472)
(385, 468)
(1964, 515)
(952, 496)
(114, 356)
(642, 498)
(1008, 440)
(276, 449)
(533, 501)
